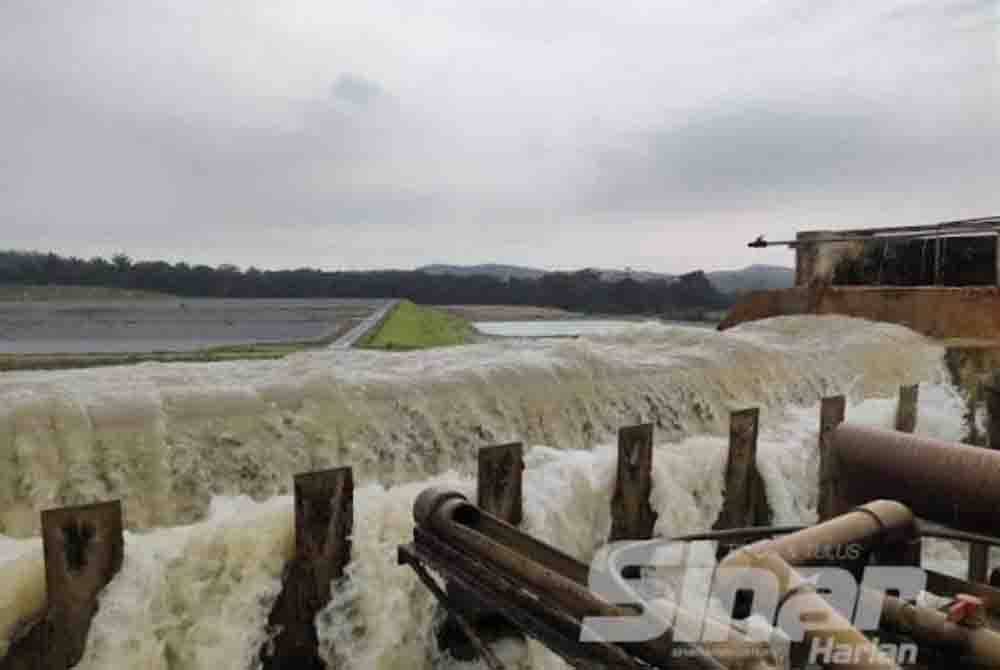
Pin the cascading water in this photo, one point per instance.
(215, 447)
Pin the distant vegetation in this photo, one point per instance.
(750, 278)
(411, 327)
(29, 293)
(753, 278)
(686, 296)
(504, 272)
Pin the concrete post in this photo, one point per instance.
(906, 408)
(831, 415)
(807, 253)
(324, 520)
(499, 482)
(83, 548)
(632, 518)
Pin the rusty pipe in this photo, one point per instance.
(880, 521)
(889, 522)
(826, 625)
(562, 579)
(452, 518)
(981, 644)
(426, 513)
(949, 483)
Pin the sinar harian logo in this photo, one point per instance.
(794, 614)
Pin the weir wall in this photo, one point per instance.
(936, 311)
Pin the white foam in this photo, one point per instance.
(167, 438)
(199, 443)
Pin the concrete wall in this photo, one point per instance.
(942, 312)
(815, 263)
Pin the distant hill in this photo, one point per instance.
(490, 269)
(753, 278)
(750, 278)
(521, 272)
(638, 275)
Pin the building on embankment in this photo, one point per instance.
(942, 280)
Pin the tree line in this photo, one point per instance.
(582, 291)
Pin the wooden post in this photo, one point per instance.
(632, 518)
(499, 487)
(906, 408)
(324, 520)
(831, 415)
(498, 492)
(745, 501)
(83, 548)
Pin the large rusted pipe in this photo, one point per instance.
(562, 579)
(452, 518)
(827, 626)
(931, 626)
(949, 483)
(845, 537)
(881, 521)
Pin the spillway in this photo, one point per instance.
(203, 456)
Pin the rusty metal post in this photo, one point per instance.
(83, 548)
(632, 518)
(745, 501)
(996, 281)
(499, 482)
(906, 408)
(907, 552)
(831, 415)
(979, 563)
(324, 520)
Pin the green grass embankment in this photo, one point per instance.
(411, 326)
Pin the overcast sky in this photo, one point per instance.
(662, 135)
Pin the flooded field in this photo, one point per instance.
(120, 326)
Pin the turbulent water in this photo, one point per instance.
(203, 456)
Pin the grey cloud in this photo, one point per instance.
(357, 90)
(567, 135)
(739, 156)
